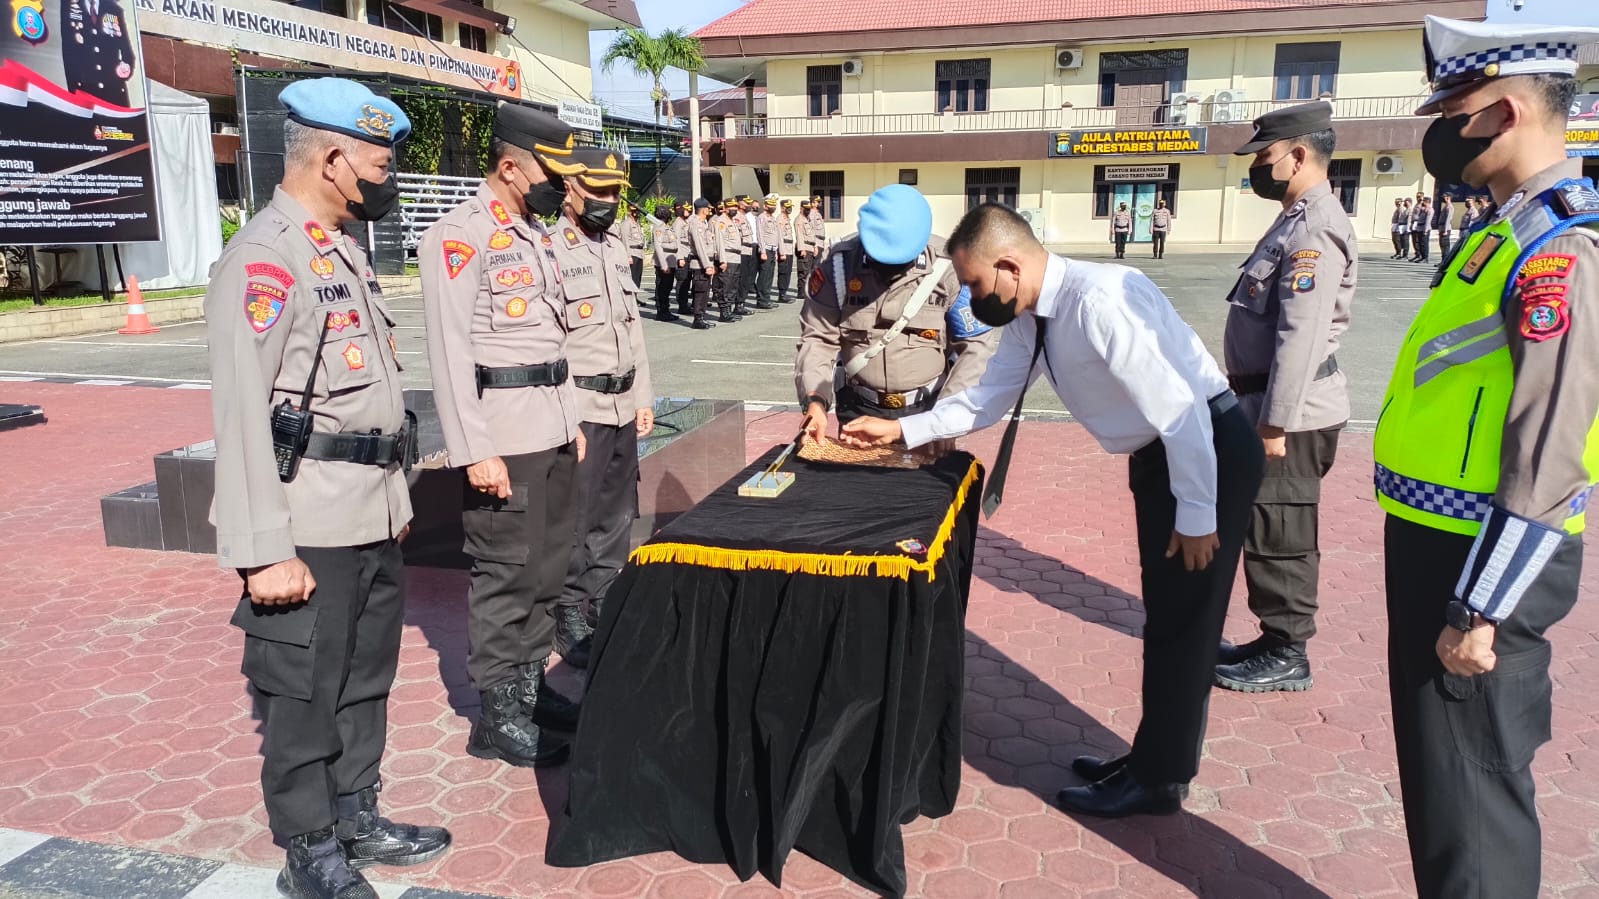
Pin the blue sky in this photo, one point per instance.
(622, 91)
(1545, 12)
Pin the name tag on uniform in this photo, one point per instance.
(1479, 259)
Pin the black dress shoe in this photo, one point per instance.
(371, 839)
(318, 869)
(1284, 668)
(1120, 795)
(668, 317)
(1229, 654)
(701, 324)
(1093, 769)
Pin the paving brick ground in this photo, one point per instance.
(123, 718)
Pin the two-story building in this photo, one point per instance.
(1066, 108)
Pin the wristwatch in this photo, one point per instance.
(1463, 618)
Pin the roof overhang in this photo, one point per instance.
(599, 15)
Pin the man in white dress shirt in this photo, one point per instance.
(1139, 379)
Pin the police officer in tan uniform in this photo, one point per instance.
(1290, 308)
(311, 500)
(667, 251)
(496, 325)
(730, 263)
(1121, 229)
(632, 233)
(886, 305)
(770, 240)
(784, 222)
(749, 235)
(804, 246)
(1160, 228)
(700, 252)
(684, 278)
(818, 220)
(616, 401)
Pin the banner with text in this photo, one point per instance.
(75, 163)
(1127, 142)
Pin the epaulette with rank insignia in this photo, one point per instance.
(1575, 198)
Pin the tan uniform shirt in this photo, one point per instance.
(819, 231)
(1289, 309)
(1555, 399)
(729, 246)
(606, 336)
(1160, 219)
(803, 238)
(632, 233)
(785, 229)
(282, 280)
(771, 237)
(668, 245)
(842, 321)
(1121, 223)
(748, 243)
(492, 298)
(701, 244)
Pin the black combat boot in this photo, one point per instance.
(1283, 668)
(540, 701)
(573, 636)
(701, 323)
(318, 869)
(765, 305)
(742, 310)
(1229, 654)
(371, 839)
(502, 731)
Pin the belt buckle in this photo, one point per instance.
(893, 401)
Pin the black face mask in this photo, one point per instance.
(1264, 184)
(598, 215)
(377, 197)
(544, 199)
(1446, 153)
(887, 274)
(991, 310)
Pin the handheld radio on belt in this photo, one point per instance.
(291, 427)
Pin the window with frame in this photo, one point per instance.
(390, 15)
(993, 185)
(961, 85)
(473, 37)
(1345, 177)
(830, 187)
(331, 7)
(824, 90)
(1105, 191)
(1305, 71)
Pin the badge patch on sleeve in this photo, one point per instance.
(963, 325)
(268, 270)
(1307, 255)
(1546, 265)
(500, 240)
(456, 256)
(1304, 281)
(263, 305)
(1545, 315)
(817, 281)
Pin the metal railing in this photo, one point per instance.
(424, 199)
(1205, 112)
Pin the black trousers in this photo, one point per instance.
(1159, 238)
(724, 288)
(685, 282)
(637, 267)
(1399, 243)
(764, 278)
(1466, 745)
(321, 673)
(806, 263)
(747, 271)
(1121, 245)
(607, 503)
(1446, 239)
(1184, 610)
(701, 281)
(785, 275)
(664, 281)
(1282, 556)
(519, 549)
(1421, 242)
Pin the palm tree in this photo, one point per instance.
(651, 55)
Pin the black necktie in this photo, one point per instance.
(994, 493)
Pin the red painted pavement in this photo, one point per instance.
(123, 718)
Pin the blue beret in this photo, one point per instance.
(346, 107)
(895, 224)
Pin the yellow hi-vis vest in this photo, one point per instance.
(1438, 437)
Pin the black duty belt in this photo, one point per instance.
(911, 399)
(606, 383)
(1244, 385)
(366, 449)
(547, 374)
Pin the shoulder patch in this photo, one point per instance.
(1544, 313)
(498, 210)
(1575, 198)
(456, 255)
(263, 305)
(268, 270)
(571, 237)
(500, 240)
(1303, 282)
(1307, 255)
(963, 324)
(818, 280)
(1546, 265)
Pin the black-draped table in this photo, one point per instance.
(781, 673)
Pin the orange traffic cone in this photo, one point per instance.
(138, 320)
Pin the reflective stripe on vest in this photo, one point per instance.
(1439, 436)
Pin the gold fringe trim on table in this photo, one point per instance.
(846, 565)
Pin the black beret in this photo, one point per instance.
(1281, 124)
(546, 136)
(702, 203)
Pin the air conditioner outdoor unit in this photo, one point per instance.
(791, 179)
(1228, 106)
(1388, 164)
(1068, 58)
(853, 68)
(1184, 109)
(1034, 218)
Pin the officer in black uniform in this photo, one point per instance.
(96, 51)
